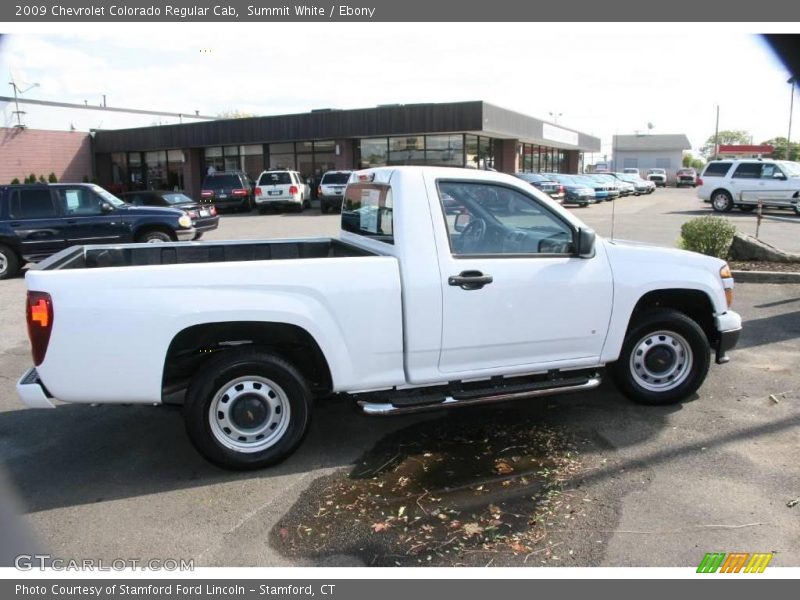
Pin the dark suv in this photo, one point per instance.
(38, 220)
(228, 189)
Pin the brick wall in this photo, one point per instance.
(25, 151)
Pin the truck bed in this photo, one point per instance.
(133, 255)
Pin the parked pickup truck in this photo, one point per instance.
(412, 308)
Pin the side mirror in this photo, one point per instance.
(106, 208)
(585, 242)
(461, 222)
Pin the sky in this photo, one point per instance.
(596, 78)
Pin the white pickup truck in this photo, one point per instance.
(446, 288)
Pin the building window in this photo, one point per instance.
(444, 150)
(136, 173)
(372, 153)
(252, 160)
(213, 159)
(119, 173)
(175, 162)
(407, 150)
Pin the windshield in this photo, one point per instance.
(792, 169)
(177, 198)
(108, 196)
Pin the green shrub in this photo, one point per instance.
(52, 178)
(31, 178)
(15, 181)
(708, 235)
(85, 179)
(42, 179)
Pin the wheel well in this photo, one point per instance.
(693, 303)
(148, 228)
(711, 195)
(193, 346)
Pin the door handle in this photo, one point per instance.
(470, 280)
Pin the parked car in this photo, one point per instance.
(39, 220)
(657, 176)
(631, 171)
(640, 186)
(742, 183)
(545, 183)
(601, 190)
(686, 177)
(228, 189)
(204, 218)
(331, 190)
(608, 184)
(282, 189)
(575, 192)
(626, 188)
(406, 311)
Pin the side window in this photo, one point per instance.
(717, 169)
(489, 219)
(367, 210)
(135, 199)
(770, 170)
(747, 171)
(80, 202)
(150, 200)
(32, 204)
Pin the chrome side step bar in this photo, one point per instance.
(386, 409)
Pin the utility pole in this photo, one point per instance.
(716, 136)
(791, 80)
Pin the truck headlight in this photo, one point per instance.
(185, 221)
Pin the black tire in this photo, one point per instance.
(672, 323)
(323, 207)
(154, 236)
(721, 201)
(797, 209)
(197, 236)
(306, 203)
(9, 263)
(221, 371)
(747, 207)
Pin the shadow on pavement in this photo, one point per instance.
(766, 330)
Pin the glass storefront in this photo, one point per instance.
(541, 159)
(450, 150)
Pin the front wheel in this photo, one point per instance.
(247, 409)
(664, 359)
(721, 201)
(154, 237)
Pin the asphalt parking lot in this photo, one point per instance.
(648, 486)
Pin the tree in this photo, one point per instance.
(698, 165)
(52, 178)
(690, 161)
(729, 136)
(779, 143)
(234, 114)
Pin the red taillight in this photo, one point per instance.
(39, 313)
(293, 190)
(213, 211)
(206, 194)
(699, 181)
(319, 190)
(561, 189)
(239, 192)
(258, 191)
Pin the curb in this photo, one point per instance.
(766, 277)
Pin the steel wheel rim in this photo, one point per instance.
(720, 201)
(3, 264)
(226, 424)
(668, 367)
(155, 241)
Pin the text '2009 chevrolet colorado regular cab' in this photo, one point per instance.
(446, 288)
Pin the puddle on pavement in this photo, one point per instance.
(451, 491)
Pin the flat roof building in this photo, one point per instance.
(647, 151)
(459, 134)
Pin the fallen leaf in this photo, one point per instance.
(472, 529)
(379, 527)
(284, 533)
(503, 468)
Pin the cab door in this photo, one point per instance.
(89, 219)
(515, 294)
(34, 215)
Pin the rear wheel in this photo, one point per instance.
(247, 409)
(721, 201)
(154, 237)
(664, 359)
(9, 263)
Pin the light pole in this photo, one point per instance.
(791, 80)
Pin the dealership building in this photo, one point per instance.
(462, 134)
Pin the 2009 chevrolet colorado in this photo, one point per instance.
(447, 287)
